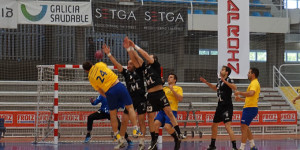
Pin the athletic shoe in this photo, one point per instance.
(253, 148)
(130, 143)
(235, 149)
(177, 144)
(117, 137)
(182, 136)
(212, 148)
(153, 146)
(136, 133)
(141, 145)
(121, 144)
(87, 139)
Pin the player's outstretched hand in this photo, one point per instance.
(236, 93)
(131, 44)
(238, 99)
(294, 101)
(202, 80)
(106, 49)
(126, 42)
(92, 100)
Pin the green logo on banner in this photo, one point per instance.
(36, 17)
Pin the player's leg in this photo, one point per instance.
(218, 117)
(227, 121)
(125, 99)
(123, 125)
(158, 121)
(171, 131)
(164, 103)
(231, 134)
(94, 116)
(244, 127)
(114, 121)
(141, 110)
(253, 114)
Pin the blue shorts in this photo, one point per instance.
(118, 97)
(248, 115)
(163, 118)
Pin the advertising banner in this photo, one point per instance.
(55, 13)
(8, 14)
(233, 37)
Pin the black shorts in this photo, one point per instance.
(223, 114)
(156, 101)
(139, 103)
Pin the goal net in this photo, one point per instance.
(64, 106)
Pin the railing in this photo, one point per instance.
(284, 87)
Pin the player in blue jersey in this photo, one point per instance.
(102, 113)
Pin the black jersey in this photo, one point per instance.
(224, 92)
(152, 74)
(134, 81)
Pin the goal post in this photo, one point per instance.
(63, 105)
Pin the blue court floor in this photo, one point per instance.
(286, 144)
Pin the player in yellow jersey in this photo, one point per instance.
(174, 94)
(250, 109)
(106, 82)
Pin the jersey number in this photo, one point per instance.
(102, 74)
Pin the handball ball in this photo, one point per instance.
(99, 54)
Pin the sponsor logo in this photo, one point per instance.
(269, 117)
(236, 118)
(26, 118)
(70, 117)
(34, 17)
(210, 118)
(8, 118)
(288, 117)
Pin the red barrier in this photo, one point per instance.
(78, 119)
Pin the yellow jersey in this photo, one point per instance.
(101, 77)
(253, 100)
(172, 100)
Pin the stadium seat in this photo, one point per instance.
(200, 2)
(210, 12)
(197, 11)
(212, 2)
(267, 14)
(187, 1)
(189, 11)
(255, 13)
(256, 3)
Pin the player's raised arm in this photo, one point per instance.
(144, 54)
(106, 50)
(139, 60)
(213, 87)
(130, 52)
(295, 99)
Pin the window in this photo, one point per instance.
(292, 4)
(208, 52)
(254, 55)
(258, 55)
(292, 56)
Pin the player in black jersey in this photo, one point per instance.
(224, 110)
(135, 85)
(156, 98)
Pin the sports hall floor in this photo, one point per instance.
(263, 142)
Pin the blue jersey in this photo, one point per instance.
(104, 105)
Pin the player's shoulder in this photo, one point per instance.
(230, 80)
(101, 64)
